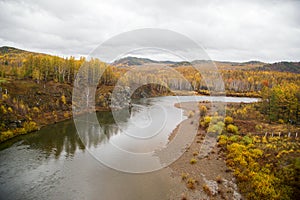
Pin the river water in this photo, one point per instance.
(54, 163)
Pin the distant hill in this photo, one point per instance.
(5, 50)
(131, 61)
(12, 50)
(293, 67)
(253, 62)
(227, 65)
(181, 64)
(11, 54)
(14, 56)
(135, 61)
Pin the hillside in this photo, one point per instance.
(226, 65)
(293, 67)
(36, 87)
(15, 52)
(136, 61)
(132, 61)
(12, 51)
(239, 65)
(15, 57)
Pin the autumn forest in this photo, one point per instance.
(259, 141)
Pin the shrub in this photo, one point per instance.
(215, 119)
(222, 139)
(3, 109)
(20, 131)
(264, 140)
(184, 176)
(30, 126)
(265, 169)
(228, 120)
(247, 140)
(63, 99)
(67, 114)
(36, 109)
(256, 153)
(219, 179)
(207, 190)
(206, 121)
(191, 114)
(234, 138)
(193, 161)
(9, 109)
(258, 127)
(263, 187)
(6, 135)
(216, 128)
(280, 121)
(232, 129)
(203, 110)
(191, 183)
(5, 96)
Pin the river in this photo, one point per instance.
(54, 163)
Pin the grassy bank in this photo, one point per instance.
(27, 105)
(262, 156)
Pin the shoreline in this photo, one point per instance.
(51, 121)
(209, 176)
(60, 114)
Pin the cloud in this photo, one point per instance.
(235, 30)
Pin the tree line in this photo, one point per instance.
(281, 103)
(43, 68)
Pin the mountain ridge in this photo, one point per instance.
(282, 66)
(14, 50)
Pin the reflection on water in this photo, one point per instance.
(61, 138)
(53, 163)
(56, 139)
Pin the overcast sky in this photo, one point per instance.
(234, 31)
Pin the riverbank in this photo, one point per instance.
(232, 167)
(41, 104)
(27, 105)
(207, 177)
(230, 94)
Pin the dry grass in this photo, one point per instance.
(191, 183)
(207, 190)
(184, 176)
(219, 179)
(193, 161)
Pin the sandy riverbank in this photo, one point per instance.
(208, 178)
